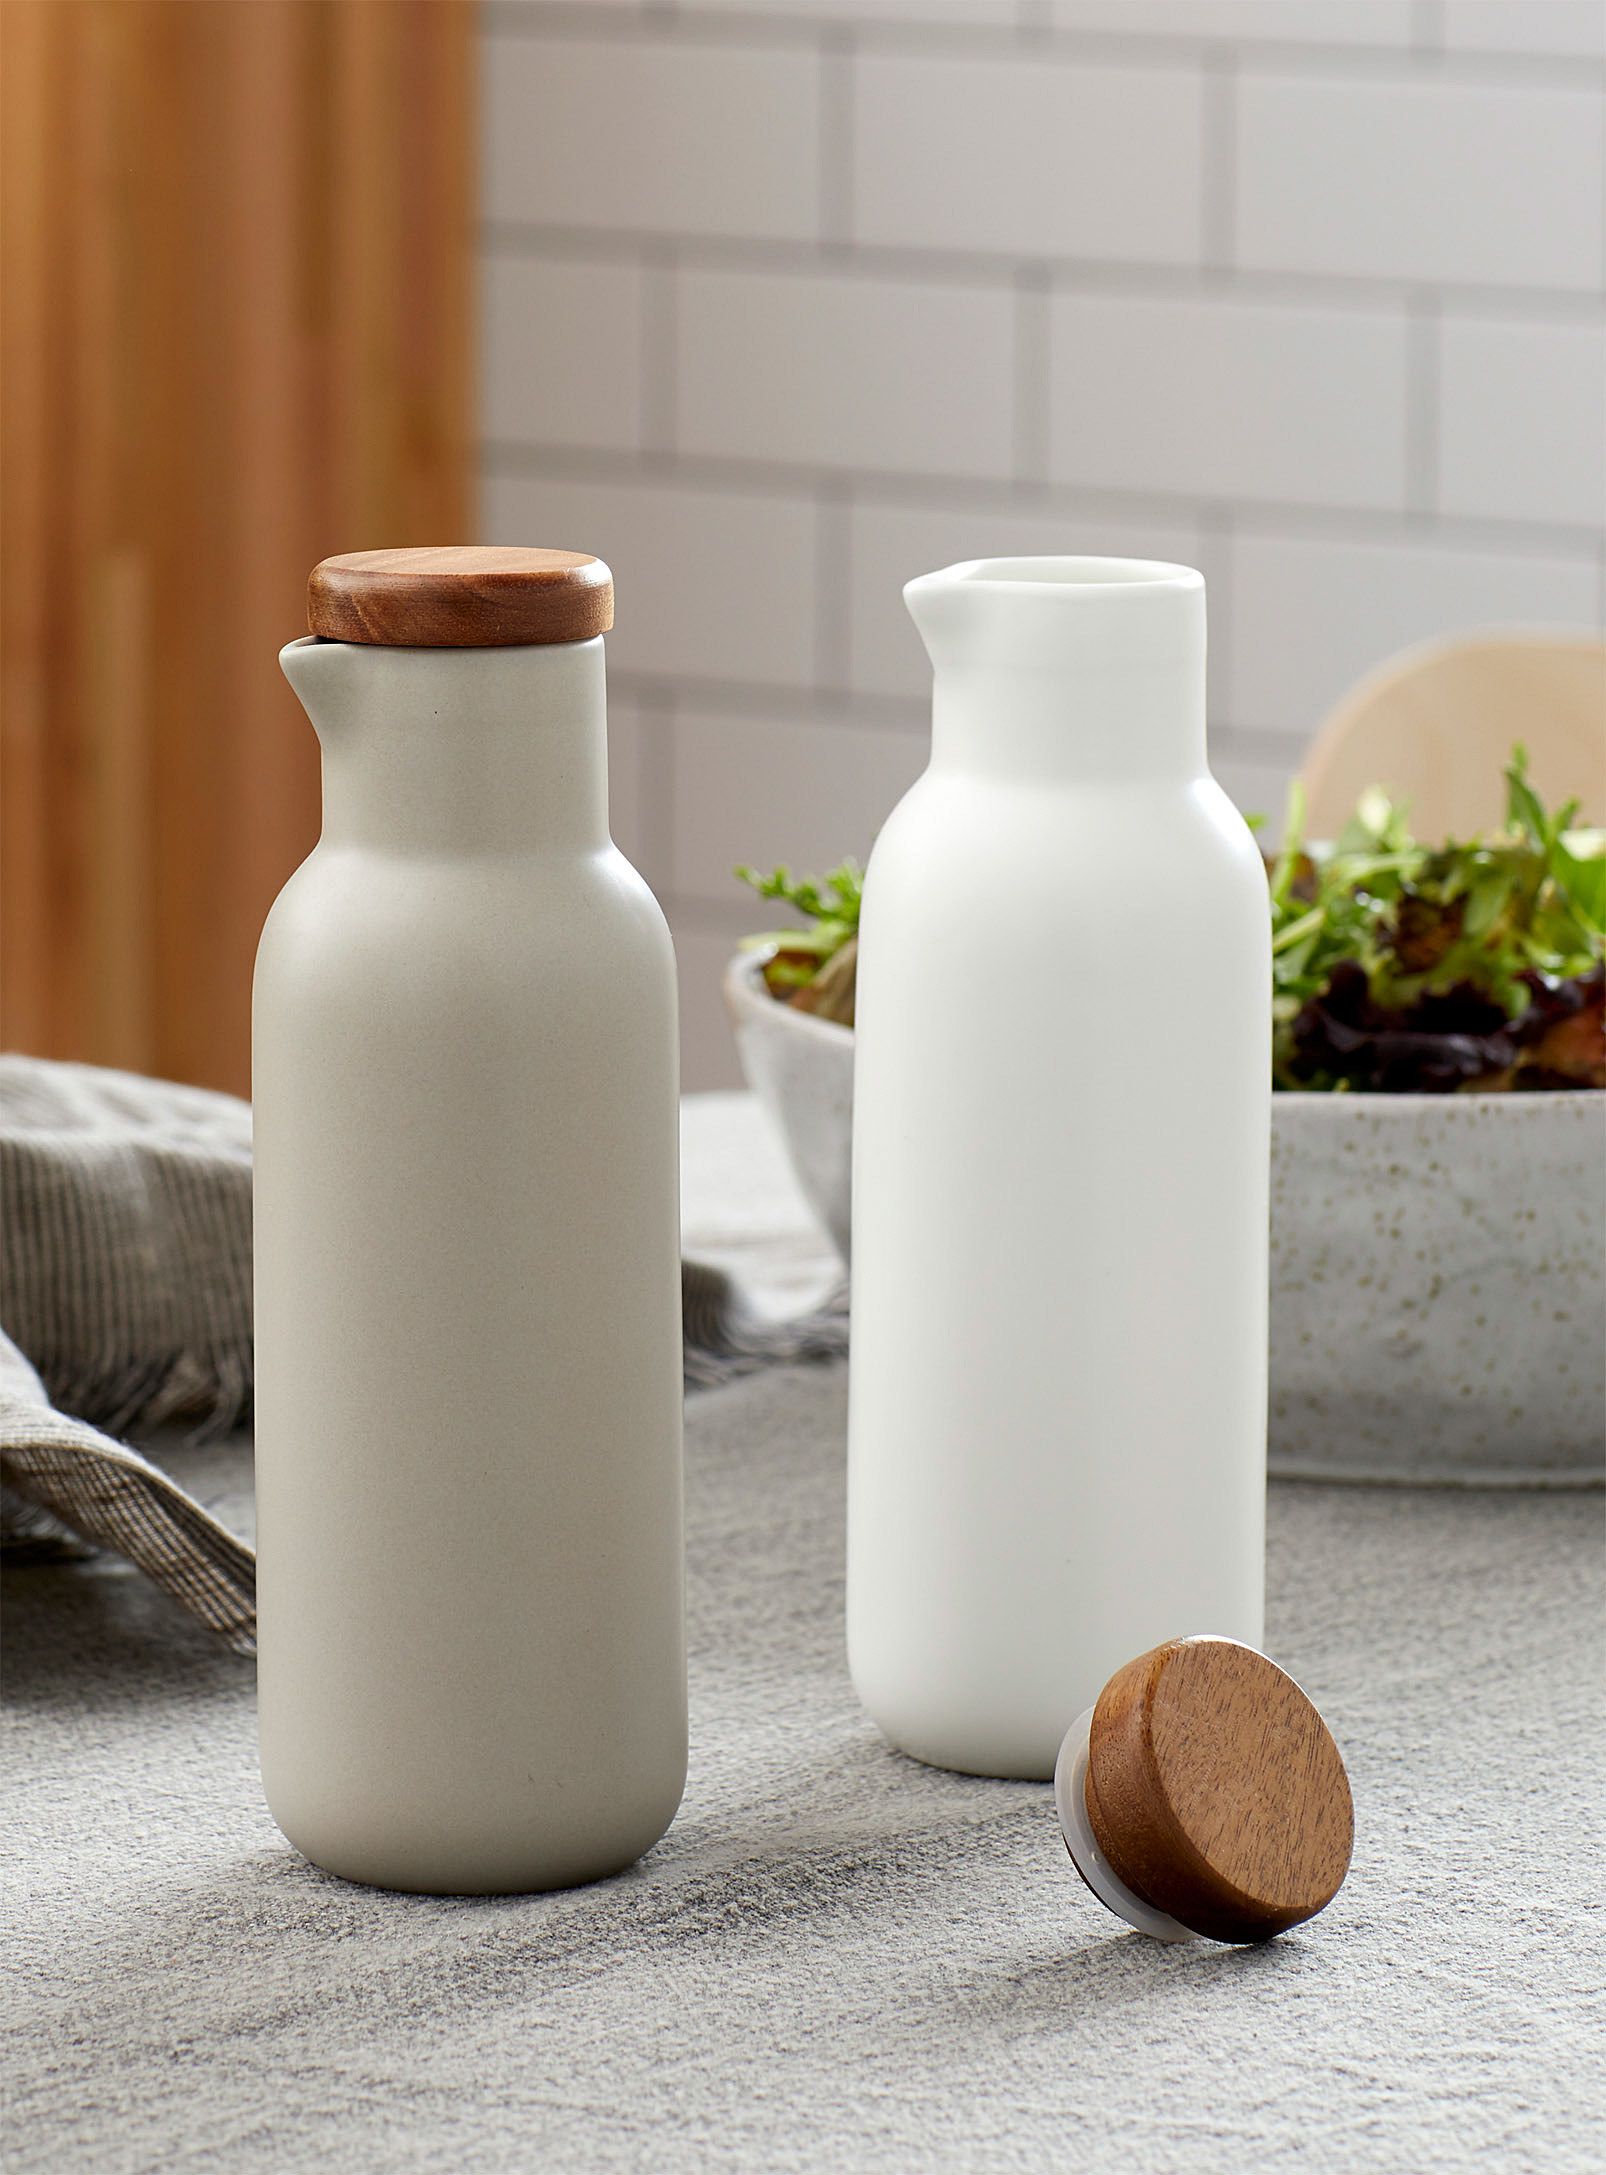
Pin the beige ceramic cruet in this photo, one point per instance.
(467, 1253)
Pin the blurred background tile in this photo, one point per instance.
(857, 373)
(1215, 398)
(1308, 619)
(1321, 22)
(710, 584)
(1035, 154)
(1576, 28)
(650, 136)
(561, 352)
(804, 795)
(1477, 183)
(1002, 14)
(1523, 420)
(627, 785)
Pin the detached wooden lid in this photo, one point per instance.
(1216, 1792)
(460, 596)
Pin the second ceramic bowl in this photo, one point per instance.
(1438, 1262)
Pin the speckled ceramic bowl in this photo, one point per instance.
(1438, 1262)
(801, 1070)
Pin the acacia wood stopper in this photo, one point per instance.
(1215, 1790)
(460, 596)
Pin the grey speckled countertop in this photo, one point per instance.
(836, 1958)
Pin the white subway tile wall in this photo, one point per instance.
(817, 793)
(710, 584)
(1215, 398)
(1526, 26)
(1520, 419)
(897, 376)
(1310, 614)
(1323, 22)
(650, 136)
(1466, 183)
(785, 303)
(1031, 155)
(563, 352)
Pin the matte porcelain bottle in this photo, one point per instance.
(468, 1360)
(1061, 1123)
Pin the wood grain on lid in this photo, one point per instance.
(1216, 1791)
(460, 596)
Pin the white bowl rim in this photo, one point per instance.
(743, 984)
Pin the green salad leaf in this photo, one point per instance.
(1395, 964)
(1457, 939)
(831, 903)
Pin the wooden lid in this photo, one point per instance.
(1216, 1791)
(460, 596)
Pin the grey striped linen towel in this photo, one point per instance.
(125, 1302)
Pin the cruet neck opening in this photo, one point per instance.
(458, 751)
(1065, 667)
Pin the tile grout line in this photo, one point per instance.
(837, 180)
(692, 29)
(1032, 378)
(1427, 30)
(655, 778)
(1218, 160)
(636, 851)
(660, 298)
(657, 694)
(1422, 408)
(778, 703)
(877, 490)
(919, 265)
(833, 583)
(1215, 548)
